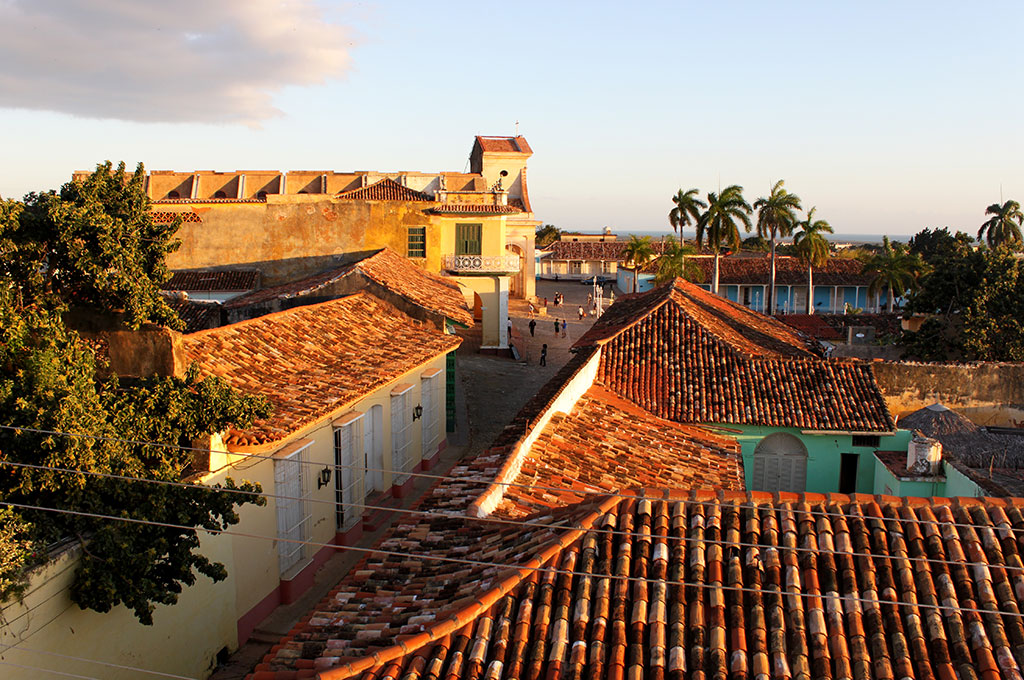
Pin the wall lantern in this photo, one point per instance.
(417, 412)
(324, 478)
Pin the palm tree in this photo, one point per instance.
(687, 210)
(812, 248)
(893, 269)
(776, 216)
(1000, 227)
(718, 226)
(673, 262)
(637, 253)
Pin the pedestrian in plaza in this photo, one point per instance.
(533, 325)
(545, 303)
(580, 311)
(558, 326)
(544, 354)
(564, 324)
(510, 328)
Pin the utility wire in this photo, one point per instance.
(524, 523)
(100, 663)
(492, 482)
(772, 590)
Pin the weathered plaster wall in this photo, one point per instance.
(292, 236)
(987, 393)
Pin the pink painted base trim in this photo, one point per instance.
(247, 624)
(293, 588)
(402, 490)
(350, 537)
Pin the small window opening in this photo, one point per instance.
(173, 194)
(872, 440)
(220, 194)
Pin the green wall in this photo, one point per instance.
(823, 454)
(951, 483)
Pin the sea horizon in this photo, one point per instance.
(838, 237)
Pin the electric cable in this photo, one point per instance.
(773, 590)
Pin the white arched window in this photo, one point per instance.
(780, 464)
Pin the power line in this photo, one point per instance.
(100, 663)
(485, 481)
(522, 523)
(47, 670)
(772, 590)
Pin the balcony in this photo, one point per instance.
(481, 264)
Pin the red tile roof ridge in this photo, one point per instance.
(385, 189)
(510, 467)
(470, 612)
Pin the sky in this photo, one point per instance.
(889, 117)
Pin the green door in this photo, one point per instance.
(467, 239)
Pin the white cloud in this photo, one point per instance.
(212, 61)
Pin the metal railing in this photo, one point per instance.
(481, 264)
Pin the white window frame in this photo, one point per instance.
(432, 397)
(401, 463)
(349, 469)
(292, 488)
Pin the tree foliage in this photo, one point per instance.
(546, 235)
(895, 269)
(975, 303)
(776, 216)
(1004, 227)
(811, 246)
(93, 245)
(686, 211)
(675, 263)
(718, 226)
(637, 253)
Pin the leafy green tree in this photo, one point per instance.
(755, 244)
(546, 235)
(975, 303)
(686, 211)
(718, 226)
(637, 253)
(1003, 228)
(48, 383)
(931, 244)
(95, 244)
(894, 269)
(811, 247)
(776, 216)
(675, 263)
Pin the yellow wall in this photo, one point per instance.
(184, 638)
(292, 236)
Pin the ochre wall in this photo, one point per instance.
(293, 236)
(986, 393)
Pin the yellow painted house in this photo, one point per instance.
(476, 227)
(358, 394)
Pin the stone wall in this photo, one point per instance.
(986, 393)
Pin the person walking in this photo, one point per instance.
(580, 311)
(558, 326)
(533, 326)
(544, 354)
(564, 324)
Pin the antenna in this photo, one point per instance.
(517, 128)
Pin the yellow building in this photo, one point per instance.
(358, 390)
(476, 227)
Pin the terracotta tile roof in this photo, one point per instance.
(788, 271)
(161, 201)
(795, 586)
(213, 281)
(811, 325)
(608, 444)
(427, 290)
(503, 144)
(687, 355)
(386, 189)
(197, 315)
(473, 209)
(586, 250)
(311, 361)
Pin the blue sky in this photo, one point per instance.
(889, 117)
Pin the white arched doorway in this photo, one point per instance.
(780, 464)
(373, 449)
(516, 288)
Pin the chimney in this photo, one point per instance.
(924, 455)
